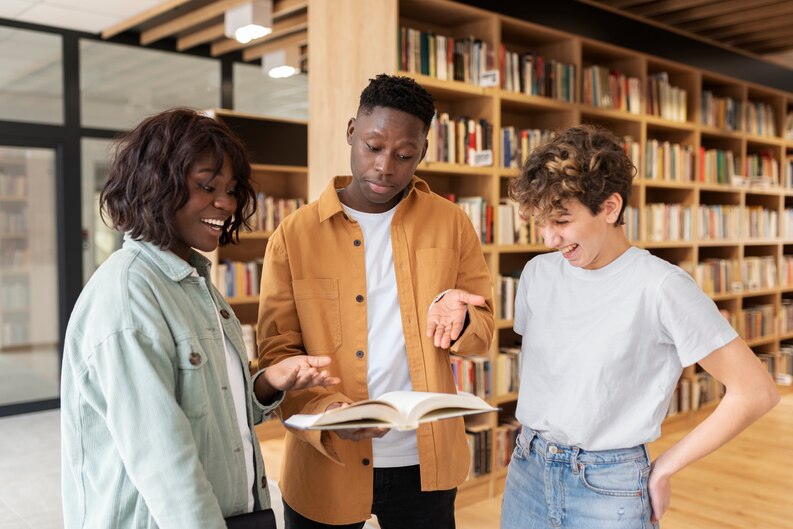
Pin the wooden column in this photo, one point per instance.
(350, 41)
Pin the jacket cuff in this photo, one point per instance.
(265, 409)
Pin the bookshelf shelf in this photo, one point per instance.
(764, 340)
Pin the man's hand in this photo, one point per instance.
(295, 372)
(355, 434)
(446, 317)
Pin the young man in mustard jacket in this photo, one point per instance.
(387, 278)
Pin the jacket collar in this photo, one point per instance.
(329, 203)
(171, 265)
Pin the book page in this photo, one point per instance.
(416, 406)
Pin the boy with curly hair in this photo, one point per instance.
(607, 330)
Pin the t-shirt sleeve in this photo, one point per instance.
(521, 301)
(690, 320)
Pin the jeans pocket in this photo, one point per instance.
(623, 479)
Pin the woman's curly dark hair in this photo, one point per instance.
(401, 93)
(147, 182)
(584, 162)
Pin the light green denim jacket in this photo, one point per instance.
(149, 433)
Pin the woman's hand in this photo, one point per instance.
(295, 372)
(659, 487)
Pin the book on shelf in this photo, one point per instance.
(512, 227)
(403, 410)
(532, 74)
(480, 442)
(664, 100)
(472, 374)
(611, 89)
(467, 59)
(506, 435)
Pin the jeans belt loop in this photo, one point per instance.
(574, 460)
(529, 440)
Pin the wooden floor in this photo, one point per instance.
(748, 484)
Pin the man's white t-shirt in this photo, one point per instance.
(386, 356)
(603, 349)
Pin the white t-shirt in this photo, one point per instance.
(603, 349)
(386, 356)
(237, 387)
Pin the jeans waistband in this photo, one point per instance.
(552, 451)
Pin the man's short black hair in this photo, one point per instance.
(401, 93)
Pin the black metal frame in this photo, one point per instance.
(65, 140)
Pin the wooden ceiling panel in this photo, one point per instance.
(200, 22)
(754, 26)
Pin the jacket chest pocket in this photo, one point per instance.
(317, 304)
(192, 390)
(437, 271)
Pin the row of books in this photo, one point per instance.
(787, 222)
(506, 438)
(480, 442)
(757, 321)
(786, 316)
(718, 222)
(271, 211)
(604, 88)
(239, 279)
(762, 169)
(633, 150)
(473, 374)
(444, 57)
(694, 393)
(532, 74)
(668, 222)
(507, 290)
(731, 114)
(631, 226)
(13, 222)
(721, 276)
(517, 143)
(788, 182)
(786, 270)
(723, 113)
(789, 126)
(761, 223)
(508, 362)
(14, 256)
(512, 227)
(460, 140)
(481, 214)
(784, 371)
(664, 100)
(668, 161)
(12, 185)
(760, 119)
(717, 166)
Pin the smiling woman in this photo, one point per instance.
(157, 400)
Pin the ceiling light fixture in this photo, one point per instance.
(250, 21)
(282, 63)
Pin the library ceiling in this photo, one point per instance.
(761, 27)
(194, 23)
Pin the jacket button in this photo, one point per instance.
(264, 482)
(224, 313)
(359, 298)
(365, 461)
(359, 354)
(194, 358)
(356, 242)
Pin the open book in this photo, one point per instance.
(403, 410)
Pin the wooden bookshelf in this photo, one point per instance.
(278, 152)
(505, 108)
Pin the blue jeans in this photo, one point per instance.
(399, 503)
(555, 486)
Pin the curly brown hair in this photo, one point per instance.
(147, 182)
(584, 162)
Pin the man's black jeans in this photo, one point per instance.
(398, 503)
